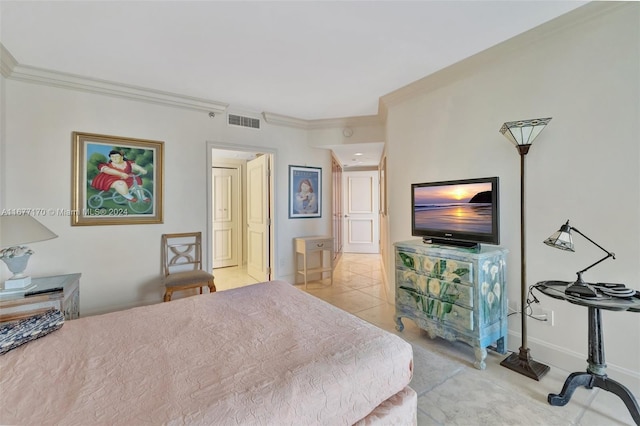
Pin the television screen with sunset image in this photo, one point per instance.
(463, 210)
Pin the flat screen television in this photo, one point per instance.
(456, 212)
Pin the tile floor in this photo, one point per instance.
(450, 390)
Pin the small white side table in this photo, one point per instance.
(309, 245)
(61, 292)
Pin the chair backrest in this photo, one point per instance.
(181, 252)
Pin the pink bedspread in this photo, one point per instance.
(263, 354)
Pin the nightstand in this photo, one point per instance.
(60, 291)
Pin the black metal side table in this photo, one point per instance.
(595, 376)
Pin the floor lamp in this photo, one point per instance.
(521, 134)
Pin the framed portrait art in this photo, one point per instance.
(305, 192)
(116, 180)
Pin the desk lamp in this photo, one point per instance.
(15, 231)
(562, 240)
(522, 133)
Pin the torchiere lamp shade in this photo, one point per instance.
(523, 132)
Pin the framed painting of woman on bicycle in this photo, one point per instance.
(116, 180)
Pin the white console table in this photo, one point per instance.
(306, 246)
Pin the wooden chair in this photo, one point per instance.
(182, 263)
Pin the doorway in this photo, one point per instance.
(240, 242)
(361, 211)
(226, 178)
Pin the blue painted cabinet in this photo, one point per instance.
(454, 293)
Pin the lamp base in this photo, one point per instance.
(17, 283)
(523, 364)
(581, 289)
(7, 292)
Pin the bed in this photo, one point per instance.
(265, 354)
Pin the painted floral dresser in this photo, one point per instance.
(454, 293)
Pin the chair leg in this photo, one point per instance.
(167, 295)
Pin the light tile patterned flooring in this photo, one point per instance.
(450, 390)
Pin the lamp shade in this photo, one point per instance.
(22, 229)
(561, 239)
(523, 132)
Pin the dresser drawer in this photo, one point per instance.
(434, 309)
(458, 293)
(446, 269)
(312, 245)
(307, 245)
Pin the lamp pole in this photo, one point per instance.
(523, 149)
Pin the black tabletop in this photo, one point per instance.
(556, 289)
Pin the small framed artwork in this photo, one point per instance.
(305, 192)
(116, 180)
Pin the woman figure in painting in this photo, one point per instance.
(306, 201)
(116, 174)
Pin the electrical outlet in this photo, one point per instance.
(544, 315)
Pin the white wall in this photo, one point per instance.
(584, 166)
(363, 131)
(120, 265)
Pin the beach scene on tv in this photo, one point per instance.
(462, 208)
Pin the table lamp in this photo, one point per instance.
(16, 230)
(562, 240)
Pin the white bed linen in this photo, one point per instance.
(263, 354)
(400, 409)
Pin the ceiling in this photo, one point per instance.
(304, 59)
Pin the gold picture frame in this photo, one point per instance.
(116, 180)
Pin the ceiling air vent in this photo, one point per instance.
(239, 120)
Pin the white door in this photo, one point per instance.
(258, 218)
(226, 216)
(361, 212)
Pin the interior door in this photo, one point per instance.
(361, 232)
(258, 218)
(226, 216)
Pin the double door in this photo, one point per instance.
(241, 224)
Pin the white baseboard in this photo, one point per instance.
(557, 356)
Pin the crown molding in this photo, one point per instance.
(497, 53)
(285, 120)
(11, 69)
(7, 62)
(327, 123)
(14, 71)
